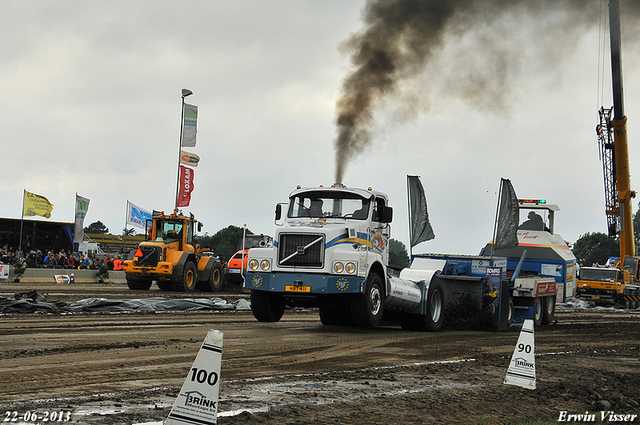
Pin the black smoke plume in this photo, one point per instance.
(401, 37)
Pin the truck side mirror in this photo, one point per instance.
(385, 214)
(278, 212)
(199, 227)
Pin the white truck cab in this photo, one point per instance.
(331, 251)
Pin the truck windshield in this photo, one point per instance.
(599, 275)
(329, 205)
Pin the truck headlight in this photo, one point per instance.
(265, 265)
(351, 268)
(253, 264)
(338, 267)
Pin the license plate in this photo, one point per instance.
(234, 270)
(297, 288)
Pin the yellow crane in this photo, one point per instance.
(619, 284)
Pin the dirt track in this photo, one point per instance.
(128, 368)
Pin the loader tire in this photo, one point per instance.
(267, 307)
(164, 285)
(367, 308)
(432, 321)
(138, 284)
(214, 282)
(186, 282)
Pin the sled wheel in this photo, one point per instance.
(510, 312)
(549, 310)
(538, 311)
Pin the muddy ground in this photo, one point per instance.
(125, 368)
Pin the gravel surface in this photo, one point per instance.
(125, 368)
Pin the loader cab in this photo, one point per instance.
(170, 229)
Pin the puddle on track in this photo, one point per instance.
(288, 391)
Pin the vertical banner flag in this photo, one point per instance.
(36, 205)
(419, 225)
(508, 216)
(186, 186)
(190, 159)
(189, 125)
(136, 216)
(82, 206)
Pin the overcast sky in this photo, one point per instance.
(91, 102)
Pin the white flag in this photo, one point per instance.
(136, 216)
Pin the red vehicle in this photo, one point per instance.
(237, 265)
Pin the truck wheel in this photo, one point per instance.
(266, 307)
(138, 284)
(432, 321)
(538, 311)
(335, 317)
(549, 310)
(367, 308)
(187, 280)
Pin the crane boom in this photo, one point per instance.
(619, 163)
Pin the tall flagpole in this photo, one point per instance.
(495, 222)
(185, 93)
(409, 212)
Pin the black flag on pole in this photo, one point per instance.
(419, 217)
(508, 216)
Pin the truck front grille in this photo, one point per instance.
(150, 256)
(301, 250)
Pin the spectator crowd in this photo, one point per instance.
(59, 260)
